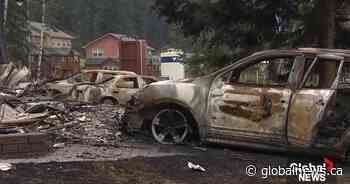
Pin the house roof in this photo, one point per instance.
(56, 52)
(52, 31)
(121, 37)
(60, 52)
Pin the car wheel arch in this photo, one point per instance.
(116, 101)
(152, 110)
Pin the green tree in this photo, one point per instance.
(245, 26)
(88, 19)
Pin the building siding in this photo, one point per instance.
(109, 45)
(128, 55)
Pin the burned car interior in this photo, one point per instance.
(269, 72)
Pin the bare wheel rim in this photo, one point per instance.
(170, 126)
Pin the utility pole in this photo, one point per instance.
(29, 33)
(42, 38)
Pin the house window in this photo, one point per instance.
(98, 52)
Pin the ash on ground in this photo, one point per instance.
(92, 125)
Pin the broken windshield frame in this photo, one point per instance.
(316, 60)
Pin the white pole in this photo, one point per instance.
(42, 38)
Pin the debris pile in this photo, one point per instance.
(69, 122)
(11, 75)
(92, 125)
(18, 117)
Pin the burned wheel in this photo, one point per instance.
(170, 126)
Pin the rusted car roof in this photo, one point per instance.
(341, 52)
(313, 51)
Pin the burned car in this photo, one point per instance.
(116, 90)
(287, 100)
(86, 76)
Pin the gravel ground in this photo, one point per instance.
(144, 162)
(141, 147)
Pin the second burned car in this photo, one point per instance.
(100, 86)
(284, 100)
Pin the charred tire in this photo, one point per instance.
(109, 101)
(171, 125)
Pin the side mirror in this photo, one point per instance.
(297, 72)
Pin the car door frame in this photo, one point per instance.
(123, 95)
(303, 137)
(212, 137)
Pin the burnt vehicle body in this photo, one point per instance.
(116, 90)
(121, 88)
(93, 76)
(296, 100)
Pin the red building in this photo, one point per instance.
(117, 52)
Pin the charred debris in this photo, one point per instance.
(25, 108)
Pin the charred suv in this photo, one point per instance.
(288, 100)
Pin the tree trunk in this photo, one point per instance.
(327, 14)
(343, 15)
(3, 56)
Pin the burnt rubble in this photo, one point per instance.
(29, 110)
(92, 125)
(68, 122)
